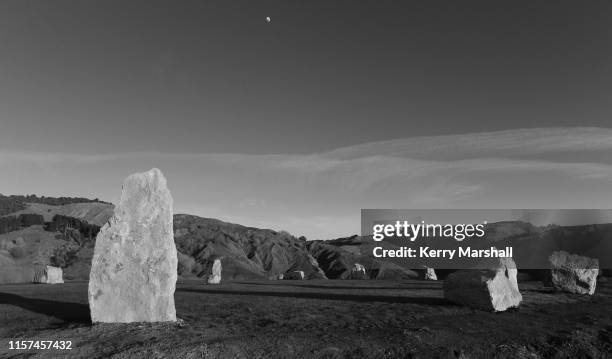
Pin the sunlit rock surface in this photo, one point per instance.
(490, 286)
(134, 268)
(573, 273)
(215, 276)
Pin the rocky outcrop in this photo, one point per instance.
(248, 253)
(573, 273)
(134, 268)
(491, 286)
(215, 276)
(317, 273)
(337, 258)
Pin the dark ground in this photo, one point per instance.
(315, 319)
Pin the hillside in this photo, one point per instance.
(245, 252)
(68, 235)
(14, 203)
(21, 252)
(96, 213)
(64, 235)
(337, 257)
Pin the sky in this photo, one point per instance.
(300, 122)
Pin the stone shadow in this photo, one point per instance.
(68, 312)
(328, 296)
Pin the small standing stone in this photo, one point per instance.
(48, 275)
(358, 272)
(55, 275)
(428, 273)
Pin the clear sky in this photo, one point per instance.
(180, 85)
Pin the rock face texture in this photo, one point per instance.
(248, 253)
(134, 267)
(490, 286)
(337, 258)
(215, 276)
(358, 272)
(573, 273)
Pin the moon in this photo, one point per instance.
(268, 19)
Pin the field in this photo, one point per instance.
(314, 319)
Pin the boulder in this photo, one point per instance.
(573, 273)
(134, 266)
(358, 271)
(427, 273)
(54, 275)
(492, 285)
(294, 275)
(48, 275)
(215, 276)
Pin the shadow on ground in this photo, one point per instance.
(328, 296)
(335, 286)
(68, 312)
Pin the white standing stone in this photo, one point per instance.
(358, 271)
(55, 275)
(429, 273)
(573, 273)
(134, 267)
(490, 286)
(215, 276)
(48, 275)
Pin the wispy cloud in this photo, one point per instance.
(320, 195)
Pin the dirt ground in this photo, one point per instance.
(314, 319)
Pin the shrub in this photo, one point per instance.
(64, 256)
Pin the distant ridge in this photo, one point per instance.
(14, 203)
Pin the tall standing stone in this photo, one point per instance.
(215, 276)
(134, 267)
